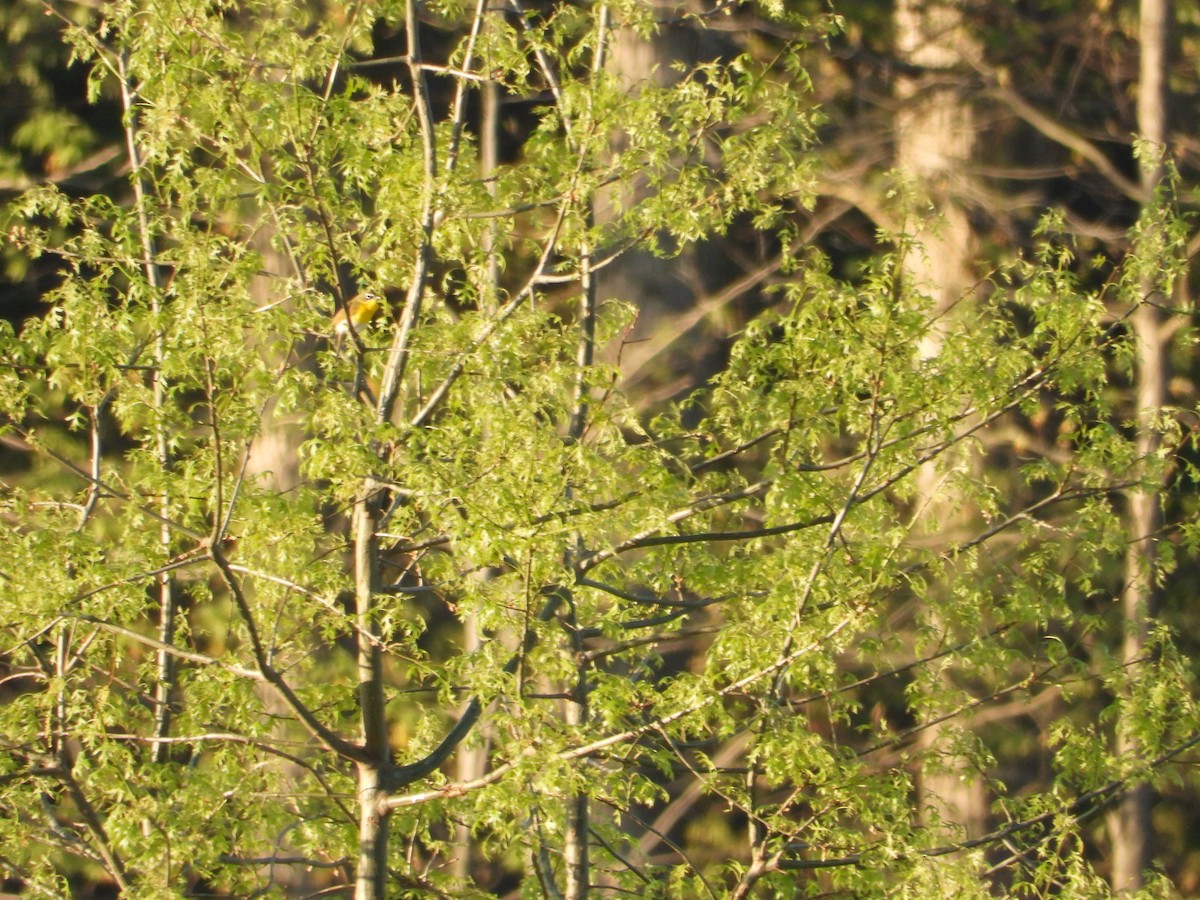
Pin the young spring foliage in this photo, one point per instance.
(739, 602)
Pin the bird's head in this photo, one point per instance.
(364, 306)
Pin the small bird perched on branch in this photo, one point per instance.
(358, 311)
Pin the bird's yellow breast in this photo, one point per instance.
(362, 308)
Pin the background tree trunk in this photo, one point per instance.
(935, 137)
(664, 291)
(1130, 822)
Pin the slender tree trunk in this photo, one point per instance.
(472, 758)
(167, 597)
(371, 882)
(935, 138)
(575, 846)
(1130, 822)
(371, 875)
(376, 771)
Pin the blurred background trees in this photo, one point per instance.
(771, 473)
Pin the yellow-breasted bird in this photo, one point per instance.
(358, 311)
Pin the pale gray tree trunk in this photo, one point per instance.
(469, 764)
(471, 759)
(935, 138)
(1130, 823)
(274, 460)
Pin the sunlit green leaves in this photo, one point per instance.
(877, 516)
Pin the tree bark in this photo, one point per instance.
(1130, 823)
(935, 138)
(371, 880)
(472, 758)
(575, 845)
(665, 292)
